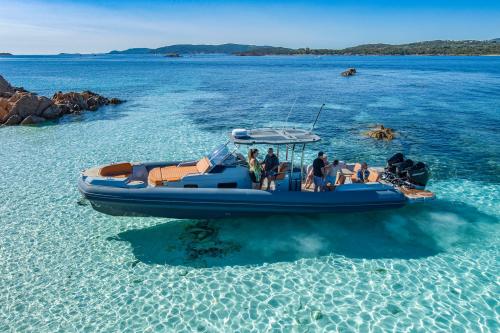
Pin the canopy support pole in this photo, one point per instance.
(302, 165)
(290, 181)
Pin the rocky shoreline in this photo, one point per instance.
(21, 107)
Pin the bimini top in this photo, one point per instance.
(277, 136)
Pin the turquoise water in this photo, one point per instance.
(65, 267)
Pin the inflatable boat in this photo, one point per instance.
(219, 185)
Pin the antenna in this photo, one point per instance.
(289, 113)
(317, 116)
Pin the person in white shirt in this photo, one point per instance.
(334, 171)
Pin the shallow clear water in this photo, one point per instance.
(65, 267)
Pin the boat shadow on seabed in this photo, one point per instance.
(408, 233)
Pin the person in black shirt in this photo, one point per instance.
(319, 172)
(271, 164)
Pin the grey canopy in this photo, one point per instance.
(272, 136)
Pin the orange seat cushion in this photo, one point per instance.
(374, 176)
(282, 169)
(118, 170)
(203, 165)
(154, 177)
(175, 173)
(354, 176)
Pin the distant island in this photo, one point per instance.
(4, 54)
(436, 47)
(193, 49)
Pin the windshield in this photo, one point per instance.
(219, 155)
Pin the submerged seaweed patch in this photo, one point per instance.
(201, 240)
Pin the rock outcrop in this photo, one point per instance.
(173, 55)
(349, 72)
(380, 132)
(18, 106)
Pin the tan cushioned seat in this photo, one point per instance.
(354, 176)
(154, 177)
(340, 180)
(374, 176)
(282, 169)
(175, 173)
(118, 170)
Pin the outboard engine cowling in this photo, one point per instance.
(395, 159)
(418, 174)
(402, 167)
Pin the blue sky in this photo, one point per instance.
(45, 27)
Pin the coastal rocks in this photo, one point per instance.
(24, 104)
(5, 86)
(18, 106)
(349, 72)
(43, 104)
(4, 105)
(73, 102)
(32, 120)
(52, 112)
(380, 132)
(115, 101)
(15, 119)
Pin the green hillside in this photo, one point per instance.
(193, 49)
(437, 47)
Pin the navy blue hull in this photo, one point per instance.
(201, 203)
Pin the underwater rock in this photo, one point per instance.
(201, 241)
(394, 309)
(18, 106)
(380, 132)
(349, 72)
(316, 315)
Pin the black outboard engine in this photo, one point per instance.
(405, 172)
(418, 174)
(393, 161)
(404, 166)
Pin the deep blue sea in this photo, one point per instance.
(424, 268)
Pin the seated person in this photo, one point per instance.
(363, 173)
(271, 164)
